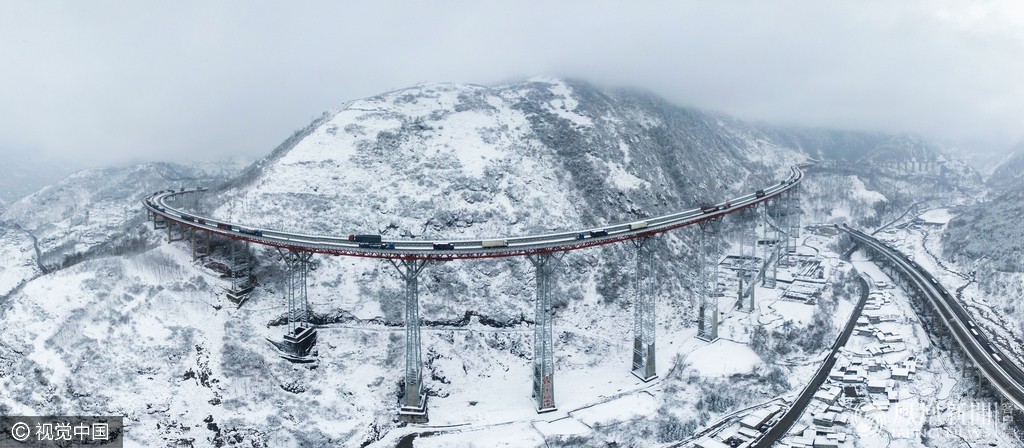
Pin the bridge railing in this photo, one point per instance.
(463, 248)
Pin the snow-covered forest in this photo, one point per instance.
(102, 315)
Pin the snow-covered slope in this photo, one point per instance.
(449, 161)
(992, 230)
(1009, 175)
(857, 146)
(17, 259)
(95, 207)
(25, 172)
(150, 335)
(445, 161)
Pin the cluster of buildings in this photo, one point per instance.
(744, 433)
(866, 378)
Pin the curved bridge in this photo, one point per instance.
(459, 249)
(992, 364)
(410, 257)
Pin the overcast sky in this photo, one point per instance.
(109, 83)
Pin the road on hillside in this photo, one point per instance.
(996, 367)
(793, 414)
(373, 246)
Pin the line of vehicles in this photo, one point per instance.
(957, 313)
(377, 243)
(199, 220)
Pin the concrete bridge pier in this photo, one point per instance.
(644, 310)
(952, 352)
(200, 243)
(175, 231)
(1005, 410)
(414, 403)
(159, 222)
(963, 360)
(543, 334)
(793, 219)
(755, 267)
(769, 217)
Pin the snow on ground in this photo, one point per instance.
(564, 105)
(200, 358)
(17, 259)
(832, 198)
(596, 392)
(860, 191)
(562, 427)
(724, 358)
(994, 309)
(514, 435)
(938, 216)
(932, 402)
(641, 404)
(800, 313)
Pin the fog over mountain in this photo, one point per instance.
(111, 84)
(438, 123)
(432, 161)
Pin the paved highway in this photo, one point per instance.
(157, 203)
(794, 412)
(996, 367)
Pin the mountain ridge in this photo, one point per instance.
(431, 161)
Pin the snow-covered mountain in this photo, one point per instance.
(448, 161)
(148, 334)
(856, 146)
(993, 229)
(96, 207)
(1009, 175)
(24, 172)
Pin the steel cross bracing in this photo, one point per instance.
(240, 264)
(778, 234)
(793, 217)
(414, 403)
(749, 267)
(755, 268)
(543, 334)
(993, 364)
(412, 254)
(297, 264)
(782, 230)
(773, 231)
(709, 279)
(200, 243)
(764, 243)
(462, 249)
(242, 281)
(771, 238)
(644, 309)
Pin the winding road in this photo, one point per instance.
(497, 247)
(996, 367)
